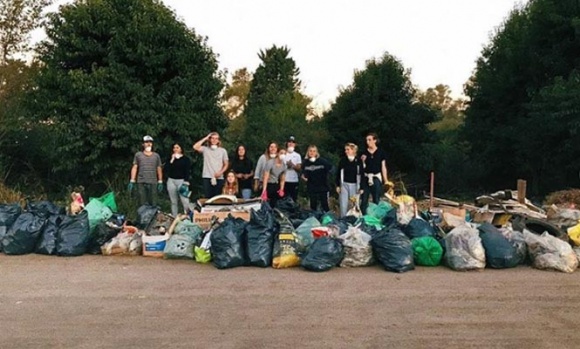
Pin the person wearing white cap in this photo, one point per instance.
(294, 163)
(146, 173)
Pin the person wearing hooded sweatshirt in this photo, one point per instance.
(315, 171)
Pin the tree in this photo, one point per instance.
(531, 55)
(382, 99)
(276, 107)
(450, 114)
(235, 94)
(17, 19)
(234, 101)
(115, 70)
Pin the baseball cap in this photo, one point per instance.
(147, 139)
(291, 139)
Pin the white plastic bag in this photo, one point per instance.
(549, 252)
(358, 251)
(463, 249)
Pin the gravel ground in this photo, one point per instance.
(138, 302)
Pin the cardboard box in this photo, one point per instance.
(153, 245)
(456, 211)
(203, 219)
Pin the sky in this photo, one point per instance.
(439, 41)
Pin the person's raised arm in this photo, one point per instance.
(198, 145)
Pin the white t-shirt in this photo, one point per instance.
(213, 161)
(291, 174)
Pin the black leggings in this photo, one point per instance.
(316, 197)
(272, 190)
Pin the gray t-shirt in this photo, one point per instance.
(276, 170)
(147, 167)
(213, 161)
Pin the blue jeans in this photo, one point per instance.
(246, 193)
(376, 191)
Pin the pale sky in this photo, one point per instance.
(330, 39)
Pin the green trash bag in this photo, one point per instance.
(109, 201)
(202, 255)
(179, 247)
(374, 221)
(304, 231)
(98, 213)
(427, 251)
(187, 227)
(379, 211)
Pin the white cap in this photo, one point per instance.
(147, 139)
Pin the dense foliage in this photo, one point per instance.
(113, 71)
(522, 119)
(382, 100)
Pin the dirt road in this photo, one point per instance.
(138, 302)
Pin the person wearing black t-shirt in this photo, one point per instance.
(244, 170)
(177, 170)
(348, 177)
(374, 161)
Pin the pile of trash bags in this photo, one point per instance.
(392, 234)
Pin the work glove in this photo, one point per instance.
(213, 181)
(159, 187)
(130, 186)
(281, 193)
(264, 196)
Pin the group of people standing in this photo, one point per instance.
(277, 173)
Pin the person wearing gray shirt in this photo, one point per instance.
(146, 173)
(215, 163)
(274, 177)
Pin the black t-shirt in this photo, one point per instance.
(178, 169)
(349, 170)
(373, 161)
(244, 166)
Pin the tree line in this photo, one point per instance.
(111, 71)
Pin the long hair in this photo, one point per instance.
(235, 186)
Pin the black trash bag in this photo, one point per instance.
(99, 237)
(23, 235)
(8, 215)
(287, 206)
(349, 220)
(305, 214)
(417, 228)
(227, 243)
(393, 249)
(145, 215)
(323, 254)
(390, 219)
(500, 253)
(73, 235)
(260, 233)
(47, 242)
(45, 208)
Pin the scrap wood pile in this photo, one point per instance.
(495, 232)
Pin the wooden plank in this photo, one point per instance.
(522, 191)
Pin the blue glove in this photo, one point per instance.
(131, 186)
(160, 187)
